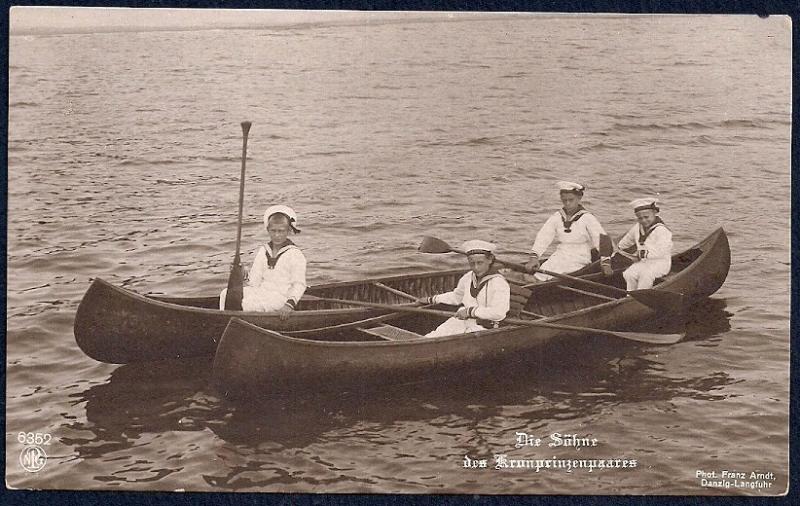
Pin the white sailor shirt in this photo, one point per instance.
(283, 274)
(491, 299)
(652, 246)
(576, 237)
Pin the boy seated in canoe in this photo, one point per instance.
(653, 242)
(575, 231)
(483, 293)
(277, 278)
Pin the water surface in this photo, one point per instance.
(124, 163)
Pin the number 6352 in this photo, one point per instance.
(34, 438)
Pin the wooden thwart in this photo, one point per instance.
(391, 333)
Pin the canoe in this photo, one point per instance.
(251, 360)
(118, 326)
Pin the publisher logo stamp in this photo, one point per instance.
(33, 459)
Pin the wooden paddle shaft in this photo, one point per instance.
(656, 299)
(567, 277)
(586, 282)
(245, 131)
(512, 321)
(395, 291)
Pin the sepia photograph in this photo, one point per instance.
(336, 252)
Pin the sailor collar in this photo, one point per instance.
(569, 221)
(477, 285)
(645, 233)
(271, 261)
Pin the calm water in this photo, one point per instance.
(124, 161)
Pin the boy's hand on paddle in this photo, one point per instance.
(532, 265)
(605, 266)
(462, 313)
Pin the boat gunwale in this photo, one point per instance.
(710, 239)
(155, 301)
(150, 299)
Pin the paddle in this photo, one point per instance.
(643, 337)
(606, 247)
(233, 299)
(395, 291)
(656, 299)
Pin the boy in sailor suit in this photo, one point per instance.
(576, 231)
(653, 242)
(277, 278)
(483, 293)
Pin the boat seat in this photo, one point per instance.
(391, 333)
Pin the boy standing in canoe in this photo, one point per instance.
(575, 230)
(277, 278)
(653, 242)
(483, 293)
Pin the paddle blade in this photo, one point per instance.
(233, 298)
(433, 245)
(649, 338)
(662, 301)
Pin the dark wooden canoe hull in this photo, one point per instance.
(252, 361)
(116, 325)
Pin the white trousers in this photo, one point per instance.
(641, 275)
(565, 259)
(455, 326)
(256, 299)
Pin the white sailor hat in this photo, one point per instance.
(477, 246)
(644, 203)
(568, 186)
(284, 210)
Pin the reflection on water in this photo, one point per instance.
(706, 319)
(142, 398)
(702, 320)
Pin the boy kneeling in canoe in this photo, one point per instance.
(277, 278)
(653, 242)
(482, 292)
